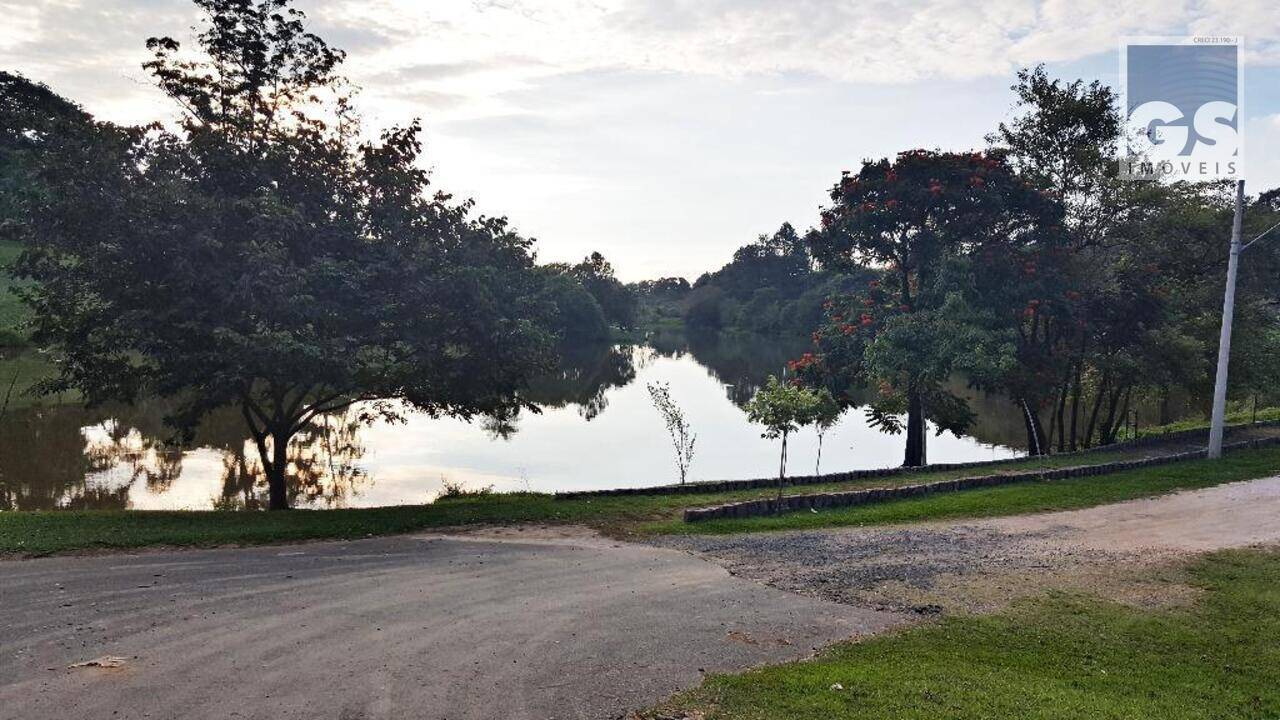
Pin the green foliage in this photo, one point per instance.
(578, 316)
(705, 307)
(783, 408)
(36, 127)
(13, 315)
(1050, 657)
(617, 301)
(1069, 136)
(453, 490)
(659, 302)
(264, 257)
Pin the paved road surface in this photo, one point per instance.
(390, 628)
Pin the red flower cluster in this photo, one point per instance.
(890, 204)
(806, 360)
(977, 182)
(866, 320)
(935, 187)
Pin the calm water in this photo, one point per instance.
(597, 430)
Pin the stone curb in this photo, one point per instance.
(792, 503)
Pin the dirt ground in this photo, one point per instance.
(1126, 552)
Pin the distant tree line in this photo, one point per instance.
(773, 285)
(592, 301)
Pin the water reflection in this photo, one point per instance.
(597, 429)
(324, 463)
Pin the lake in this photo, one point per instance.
(597, 429)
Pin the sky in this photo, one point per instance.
(667, 133)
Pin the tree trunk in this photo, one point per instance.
(1057, 413)
(782, 469)
(278, 494)
(817, 466)
(1093, 415)
(1057, 421)
(1112, 423)
(915, 455)
(1076, 391)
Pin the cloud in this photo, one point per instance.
(467, 54)
(1262, 161)
(666, 132)
(879, 41)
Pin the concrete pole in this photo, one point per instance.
(1216, 428)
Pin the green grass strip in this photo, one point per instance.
(1053, 657)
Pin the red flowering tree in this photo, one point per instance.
(920, 219)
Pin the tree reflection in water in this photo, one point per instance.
(68, 457)
(584, 377)
(323, 465)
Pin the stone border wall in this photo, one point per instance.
(714, 486)
(818, 501)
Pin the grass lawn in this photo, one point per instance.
(1237, 414)
(61, 531)
(22, 369)
(1055, 657)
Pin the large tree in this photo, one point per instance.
(913, 218)
(261, 255)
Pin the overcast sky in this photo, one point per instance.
(666, 133)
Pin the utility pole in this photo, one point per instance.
(1216, 428)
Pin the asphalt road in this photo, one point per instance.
(408, 627)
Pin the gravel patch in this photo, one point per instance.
(898, 568)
